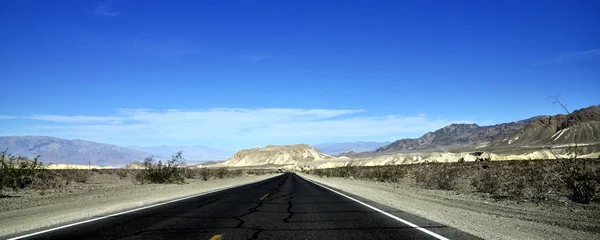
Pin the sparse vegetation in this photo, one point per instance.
(122, 173)
(582, 181)
(486, 182)
(524, 180)
(74, 175)
(220, 173)
(19, 172)
(534, 180)
(442, 176)
(380, 174)
(172, 171)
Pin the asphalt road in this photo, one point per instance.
(283, 207)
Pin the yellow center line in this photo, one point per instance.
(265, 196)
(216, 237)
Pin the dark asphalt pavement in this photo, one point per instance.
(283, 207)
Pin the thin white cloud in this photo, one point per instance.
(570, 57)
(105, 10)
(261, 57)
(234, 127)
(77, 119)
(575, 56)
(7, 117)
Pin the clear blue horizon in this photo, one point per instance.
(241, 74)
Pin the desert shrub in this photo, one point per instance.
(385, 174)
(512, 179)
(317, 172)
(221, 173)
(486, 182)
(172, 171)
(74, 175)
(122, 173)
(378, 173)
(108, 171)
(235, 173)
(442, 176)
(582, 181)
(257, 172)
(535, 180)
(204, 173)
(19, 172)
(208, 173)
(542, 182)
(190, 173)
(514, 187)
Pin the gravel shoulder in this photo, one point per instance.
(479, 215)
(27, 211)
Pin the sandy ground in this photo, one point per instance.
(477, 214)
(102, 195)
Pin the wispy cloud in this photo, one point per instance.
(581, 55)
(261, 57)
(7, 117)
(106, 10)
(77, 119)
(569, 57)
(234, 126)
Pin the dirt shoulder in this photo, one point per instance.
(483, 217)
(27, 211)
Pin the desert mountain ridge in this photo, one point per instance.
(458, 135)
(582, 126)
(276, 155)
(81, 153)
(525, 139)
(54, 150)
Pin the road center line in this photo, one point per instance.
(216, 237)
(265, 196)
(381, 211)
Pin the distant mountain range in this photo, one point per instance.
(63, 151)
(582, 126)
(81, 152)
(190, 153)
(458, 135)
(337, 148)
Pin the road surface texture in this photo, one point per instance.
(282, 207)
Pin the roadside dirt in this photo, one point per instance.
(477, 214)
(100, 196)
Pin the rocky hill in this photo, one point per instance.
(276, 155)
(581, 126)
(63, 151)
(458, 136)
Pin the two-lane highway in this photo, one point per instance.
(283, 207)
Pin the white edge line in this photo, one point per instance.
(381, 211)
(132, 210)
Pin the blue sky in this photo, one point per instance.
(237, 74)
